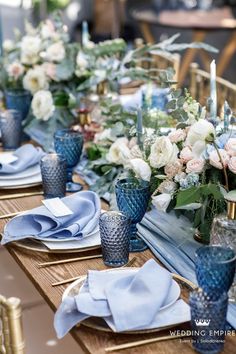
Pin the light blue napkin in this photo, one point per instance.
(86, 208)
(126, 299)
(174, 246)
(28, 156)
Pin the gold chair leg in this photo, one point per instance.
(146, 32)
(227, 54)
(13, 306)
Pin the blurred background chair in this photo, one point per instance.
(11, 330)
(200, 88)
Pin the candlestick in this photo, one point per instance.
(227, 115)
(85, 33)
(213, 93)
(139, 127)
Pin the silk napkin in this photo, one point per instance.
(27, 155)
(86, 208)
(126, 299)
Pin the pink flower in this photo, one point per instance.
(50, 70)
(232, 164)
(195, 166)
(186, 154)
(230, 147)
(174, 168)
(216, 161)
(15, 70)
(177, 136)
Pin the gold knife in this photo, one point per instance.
(68, 260)
(19, 195)
(5, 216)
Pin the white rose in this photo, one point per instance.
(186, 154)
(35, 80)
(104, 135)
(8, 45)
(136, 152)
(232, 164)
(167, 187)
(82, 61)
(56, 52)
(230, 147)
(42, 105)
(200, 131)
(162, 201)
(195, 166)
(141, 169)
(119, 153)
(177, 136)
(50, 70)
(162, 152)
(90, 44)
(15, 70)
(216, 161)
(30, 48)
(48, 30)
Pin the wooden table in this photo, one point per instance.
(201, 23)
(91, 341)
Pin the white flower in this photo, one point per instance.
(50, 70)
(161, 201)
(119, 153)
(232, 164)
(48, 30)
(230, 146)
(167, 187)
(56, 52)
(177, 136)
(35, 80)
(216, 161)
(82, 61)
(200, 131)
(15, 70)
(30, 48)
(8, 45)
(42, 105)
(162, 152)
(104, 135)
(90, 45)
(141, 169)
(195, 166)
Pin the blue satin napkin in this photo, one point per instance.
(28, 156)
(126, 299)
(86, 208)
(174, 246)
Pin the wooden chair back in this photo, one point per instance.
(11, 330)
(200, 88)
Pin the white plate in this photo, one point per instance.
(171, 298)
(29, 172)
(22, 183)
(68, 239)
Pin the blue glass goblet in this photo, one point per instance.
(215, 269)
(69, 143)
(132, 196)
(208, 321)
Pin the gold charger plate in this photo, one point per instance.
(100, 325)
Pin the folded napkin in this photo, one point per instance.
(174, 247)
(126, 299)
(27, 155)
(40, 222)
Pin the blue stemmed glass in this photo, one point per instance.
(215, 268)
(69, 143)
(132, 196)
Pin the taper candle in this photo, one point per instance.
(213, 93)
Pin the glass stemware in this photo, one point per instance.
(69, 143)
(132, 195)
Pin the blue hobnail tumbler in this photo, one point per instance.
(114, 231)
(11, 129)
(69, 143)
(215, 269)
(19, 100)
(132, 196)
(208, 321)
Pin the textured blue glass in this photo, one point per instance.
(53, 170)
(208, 321)
(69, 143)
(11, 129)
(19, 100)
(132, 197)
(215, 268)
(114, 230)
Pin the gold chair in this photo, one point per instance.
(11, 330)
(200, 88)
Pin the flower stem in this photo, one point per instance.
(224, 168)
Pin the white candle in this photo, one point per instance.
(139, 127)
(85, 33)
(213, 93)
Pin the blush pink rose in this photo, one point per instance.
(230, 147)
(174, 168)
(195, 166)
(215, 160)
(232, 164)
(186, 154)
(177, 136)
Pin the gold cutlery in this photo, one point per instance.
(70, 280)
(143, 342)
(19, 195)
(5, 216)
(69, 260)
(185, 281)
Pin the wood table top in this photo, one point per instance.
(91, 341)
